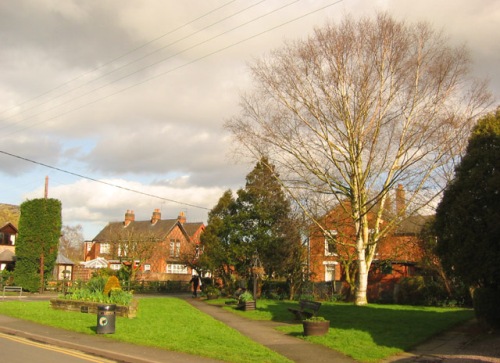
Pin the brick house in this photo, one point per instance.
(158, 248)
(398, 254)
(8, 233)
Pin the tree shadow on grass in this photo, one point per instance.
(389, 326)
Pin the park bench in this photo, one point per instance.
(306, 309)
(18, 289)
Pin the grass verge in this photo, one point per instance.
(365, 333)
(166, 323)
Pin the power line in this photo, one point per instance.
(175, 68)
(113, 60)
(161, 74)
(101, 181)
(124, 66)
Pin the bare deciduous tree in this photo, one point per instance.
(356, 109)
(71, 242)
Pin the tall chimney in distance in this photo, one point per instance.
(46, 192)
(400, 201)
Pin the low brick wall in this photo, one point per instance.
(91, 307)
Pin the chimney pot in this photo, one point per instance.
(129, 217)
(156, 216)
(181, 218)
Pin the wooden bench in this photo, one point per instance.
(18, 289)
(306, 309)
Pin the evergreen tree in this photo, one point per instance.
(467, 218)
(218, 255)
(37, 243)
(264, 220)
(257, 222)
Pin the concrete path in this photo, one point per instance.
(264, 332)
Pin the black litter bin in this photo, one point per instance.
(106, 319)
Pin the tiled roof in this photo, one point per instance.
(412, 225)
(192, 228)
(140, 229)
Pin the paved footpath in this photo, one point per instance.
(264, 332)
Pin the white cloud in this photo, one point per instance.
(115, 94)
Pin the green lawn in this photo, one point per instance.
(367, 333)
(167, 323)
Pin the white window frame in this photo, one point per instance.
(327, 251)
(330, 265)
(177, 268)
(175, 248)
(104, 248)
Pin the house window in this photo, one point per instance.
(115, 266)
(386, 268)
(122, 251)
(329, 273)
(175, 248)
(147, 267)
(176, 268)
(331, 242)
(104, 248)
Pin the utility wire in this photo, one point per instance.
(148, 66)
(153, 77)
(101, 181)
(126, 65)
(112, 61)
(175, 68)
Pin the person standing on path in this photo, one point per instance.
(196, 281)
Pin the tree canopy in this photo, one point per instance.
(257, 223)
(467, 218)
(356, 109)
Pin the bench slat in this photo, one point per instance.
(306, 309)
(18, 289)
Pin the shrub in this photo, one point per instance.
(211, 290)
(245, 297)
(112, 284)
(315, 318)
(486, 306)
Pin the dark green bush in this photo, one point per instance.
(486, 306)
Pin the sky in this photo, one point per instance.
(121, 103)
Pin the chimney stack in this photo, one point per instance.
(400, 201)
(129, 217)
(156, 216)
(181, 218)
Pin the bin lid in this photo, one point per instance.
(109, 307)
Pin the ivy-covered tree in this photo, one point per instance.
(37, 243)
